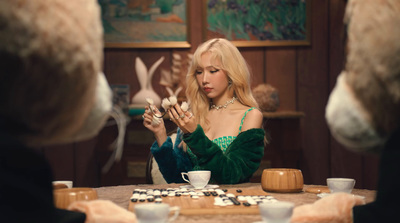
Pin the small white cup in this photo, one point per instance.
(69, 183)
(345, 185)
(198, 178)
(277, 212)
(156, 213)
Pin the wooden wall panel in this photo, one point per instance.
(61, 159)
(255, 59)
(119, 68)
(312, 96)
(281, 74)
(87, 171)
(370, 174)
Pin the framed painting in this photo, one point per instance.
(145, 23)
(255, 23)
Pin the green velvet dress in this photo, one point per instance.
(234, 162)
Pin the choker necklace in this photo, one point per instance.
(225, 105)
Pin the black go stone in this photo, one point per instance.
(235, 202)
(247, 204)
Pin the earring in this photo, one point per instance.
(230, 82)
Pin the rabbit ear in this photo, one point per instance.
(141, 72)
(153, 68)
(170, 91)
(177, 91)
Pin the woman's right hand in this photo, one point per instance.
(159, 130)
(153, 125)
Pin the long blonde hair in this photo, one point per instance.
(232, 63)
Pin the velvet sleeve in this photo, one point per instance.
(171, 159)
(241, 160)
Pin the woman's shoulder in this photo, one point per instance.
(253, 118)
(253, 112)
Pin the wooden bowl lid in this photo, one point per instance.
(317, 189)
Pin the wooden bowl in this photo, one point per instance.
(282, 180)
(64, 197)
(57, 186)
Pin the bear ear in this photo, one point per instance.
(141, 73)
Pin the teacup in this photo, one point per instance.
(156, 213)
(345, 185)
(198, 178)
(66, 196)
(277, 212)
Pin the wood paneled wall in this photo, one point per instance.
(304, 76)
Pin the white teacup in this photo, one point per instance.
(156, 213)
(69, 183)
(198, 178)
(345, 185)
(277, 212)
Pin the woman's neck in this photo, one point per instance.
(224, 103)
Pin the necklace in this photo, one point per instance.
(225, 105)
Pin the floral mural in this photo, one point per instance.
(257, 20)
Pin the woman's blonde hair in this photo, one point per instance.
(232, 63)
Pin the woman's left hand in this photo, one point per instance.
(184, 120)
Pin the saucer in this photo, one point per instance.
(321, 195)
(209, 186)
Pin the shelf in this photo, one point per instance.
(283, 114)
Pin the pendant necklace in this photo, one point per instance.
(225, 105)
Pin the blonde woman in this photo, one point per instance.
(222, 132)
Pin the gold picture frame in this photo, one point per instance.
(258, 23)
(145, 24)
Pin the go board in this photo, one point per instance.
(200, 205)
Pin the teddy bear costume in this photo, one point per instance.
(363, 112)
(52, 91)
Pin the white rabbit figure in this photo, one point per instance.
(172, 93)
(145, 77)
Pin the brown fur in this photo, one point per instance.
(54, 76)
(373, 64)
(267, 97)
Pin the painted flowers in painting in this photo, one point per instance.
(257, 19)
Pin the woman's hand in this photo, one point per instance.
(337, 207)
(151, 122)
(103, 211)
(154, 124)
(184, 120)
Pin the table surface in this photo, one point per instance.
(121, 196)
